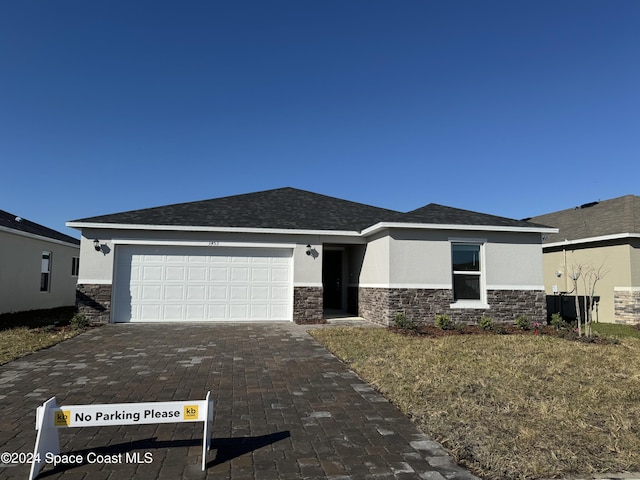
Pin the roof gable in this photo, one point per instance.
(619, 215)
(14, 222)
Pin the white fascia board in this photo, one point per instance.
(437, 226)
(179, 243)
(626, 289)
(603, 238)
(38, 237)
(195, 228)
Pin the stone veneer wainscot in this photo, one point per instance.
(380, 305)
(94, 302)
(307, 305)
(626, 306)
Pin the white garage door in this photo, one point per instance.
(202, 284)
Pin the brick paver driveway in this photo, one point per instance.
(284, 407)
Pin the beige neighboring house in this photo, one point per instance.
(603, 233)
(38, 266)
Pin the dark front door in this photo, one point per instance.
(332, 278)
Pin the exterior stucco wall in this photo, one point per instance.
(97, 267)
(423, 257)
(20, 265)
(616, 261)
(375, 261)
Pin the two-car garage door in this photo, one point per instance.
(177, 283)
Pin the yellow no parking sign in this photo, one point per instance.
(50, 417)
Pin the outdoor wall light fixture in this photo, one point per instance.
(96, 245)
(308, 249)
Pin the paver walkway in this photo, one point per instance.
(285, 408)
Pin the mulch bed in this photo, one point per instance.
(431, 331)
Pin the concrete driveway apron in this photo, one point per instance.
(285, 408)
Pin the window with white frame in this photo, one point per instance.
(45, 272)
(466, 266)
(75, 266)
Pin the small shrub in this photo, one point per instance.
(79, 321)
(404, 323)
(486, 323)
(558, 322)
(523, 323)
(444, 322)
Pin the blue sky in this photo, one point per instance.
(513, 108)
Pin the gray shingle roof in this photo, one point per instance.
(9, 220)
(440, 214)
(282, 208)
(290, 208)
(608, 217)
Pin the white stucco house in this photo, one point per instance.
(38, 266)
(291, 255)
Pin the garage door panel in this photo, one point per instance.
(174, 274)
(151, 273)
(195, 283)
(151, 292)
(278, 311)
(258, 311)
(259, 292)
(149, 312)
(280, 293)
(260, 274)
(219, 293)
(238, 312)
(195, 312)
(181, 259)
(217, 312)
(174, 292)
(196, 274)
(173, 312)
(196, 292)
(219, 274)
(239, 274)
(280, 275)
(239, 293)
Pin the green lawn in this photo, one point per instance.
(612, 329)
(508, 406)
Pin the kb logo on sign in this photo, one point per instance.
(62, 418)
(191, 412)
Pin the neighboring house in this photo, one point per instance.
(289, 254)
(38, 266)
(604, 233)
